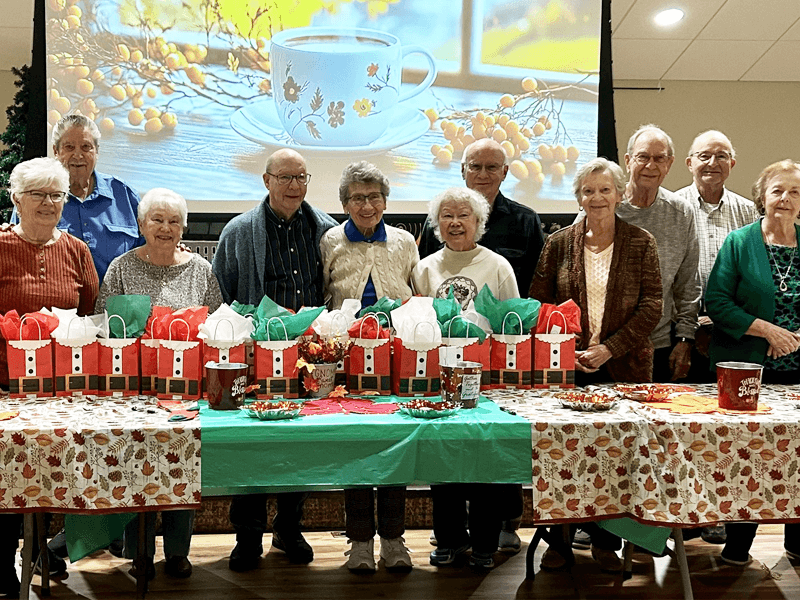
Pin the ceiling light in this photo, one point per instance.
(668, 17)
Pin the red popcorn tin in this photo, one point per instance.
(738, 385)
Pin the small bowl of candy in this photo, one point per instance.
(272, 410)
(428, 409)
(588, 401)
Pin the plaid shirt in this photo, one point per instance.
(714, 222)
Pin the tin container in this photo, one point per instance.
(738, 385)
(461, 383)
(226, 384)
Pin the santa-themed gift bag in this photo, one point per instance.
(415, 364)
(471, 344)
(554, 345)
(276, 366)
(510, 358)
(180, 354)
(75, 366)
(369, 365)
(118, 365)
(29, 353)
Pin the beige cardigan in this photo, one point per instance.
(347, 265)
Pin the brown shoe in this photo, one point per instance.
(552, 560)
(607, 559)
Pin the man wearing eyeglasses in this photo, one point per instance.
(648, 159)
(717, 212)
(273, 250)
(513, 231)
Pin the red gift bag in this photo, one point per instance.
(415, 367)
(75, 364)
(554, 353)
(118, 366)
(472, 349)
(369, 364)
(30, 368)
(276, 369)
(223, 351)
(511, 359)
(180, 367)
(148, 352)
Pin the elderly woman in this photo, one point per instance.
(610, 269)
(458, 217)
(366, 259)
(753, 297)
(171, 277)
(40, 266)
(103, 210)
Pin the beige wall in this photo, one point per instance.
(7, 92)
(760, 119)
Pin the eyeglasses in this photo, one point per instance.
(707, 156)
(477, 168)
(374, 199)
(644, 159)
(302, 179)
(55, 197)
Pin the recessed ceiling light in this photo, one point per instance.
(668, 17)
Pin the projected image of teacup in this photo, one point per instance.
(340, 87)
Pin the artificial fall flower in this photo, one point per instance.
(339, 392)
(311, 384)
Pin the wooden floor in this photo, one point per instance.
(101, 576)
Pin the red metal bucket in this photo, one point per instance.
(738, 385)
(226, 385)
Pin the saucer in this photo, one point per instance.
(259, 122)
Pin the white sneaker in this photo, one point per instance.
(395, 554)
(362, 556)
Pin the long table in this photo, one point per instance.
(244, 455)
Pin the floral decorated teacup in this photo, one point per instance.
(339, 87)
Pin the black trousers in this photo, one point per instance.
(249, 516)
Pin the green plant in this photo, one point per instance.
(14, 137)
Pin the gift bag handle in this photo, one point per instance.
(467, 321)
(374, 316)
(285, 333)
(169, 330)
(550, 316)
(503, 326)
(79, 320)
(230, 324)
(433, 331)
(340, 315)
(38, 325)
(108, 326)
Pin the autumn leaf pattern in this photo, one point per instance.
(662, 467)
(89, 465)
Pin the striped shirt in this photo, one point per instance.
(714, 222)
(292, 275)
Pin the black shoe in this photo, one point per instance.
(56, 566)
(582, 540)
(9, 585)
(245, 557)
(151, 570)
(178, 566)
(295, 546)
(714, 535)
(117, 548)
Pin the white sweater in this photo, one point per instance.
(467, 271)
(346, 265)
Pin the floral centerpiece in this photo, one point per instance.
(317, 362)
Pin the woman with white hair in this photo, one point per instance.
(162, 269)
(171, 277)
(40, 267)
(458, 217)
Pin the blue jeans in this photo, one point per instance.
(177, 526)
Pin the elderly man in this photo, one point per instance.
(648, 159)
(513, 230)
(717, 212)
(273, 250)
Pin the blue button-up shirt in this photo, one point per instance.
(370, 296)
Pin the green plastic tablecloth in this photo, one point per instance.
(244, 455)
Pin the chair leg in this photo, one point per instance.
(141, 557)
(627, 558)
(27, 556)
(530, 575)
(41, 533)
(683, 565)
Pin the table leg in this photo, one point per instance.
(683, 565)
(627, 558)
(530, 575)
(141, 557)
(27, 552)
(41, 534)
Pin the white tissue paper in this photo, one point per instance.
(73, 327)
(470, 314)
(415, 321)
(335, 323)
(226, 324)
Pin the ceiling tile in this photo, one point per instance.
(17, 47)
(780, 63)
(644, 59)
(17, 13)
(748, 20)
(638, 23)
(619, 8)
(793, 34)
(714, 60)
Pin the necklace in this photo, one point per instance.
(783, 287)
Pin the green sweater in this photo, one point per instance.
(740, 290)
